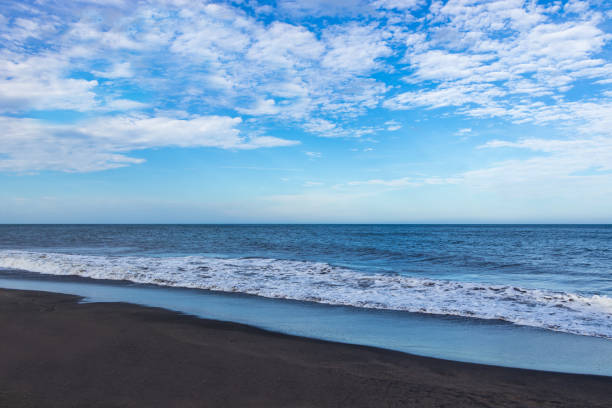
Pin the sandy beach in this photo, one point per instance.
(57, 352)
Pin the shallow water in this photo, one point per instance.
(554, 277)
(454, 338)
(471, 293)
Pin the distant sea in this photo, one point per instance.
(553, 277)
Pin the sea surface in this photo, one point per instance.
(552, 278)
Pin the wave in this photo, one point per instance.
(324, 283)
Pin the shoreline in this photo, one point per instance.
(58, 352)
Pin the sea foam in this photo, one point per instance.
(324, 283)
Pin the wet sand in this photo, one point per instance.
(55, 352)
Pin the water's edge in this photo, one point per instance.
(323, 283)
(451, 338)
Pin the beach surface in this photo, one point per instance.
(57, 352)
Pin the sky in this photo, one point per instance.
(347, 111)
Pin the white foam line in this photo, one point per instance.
(323, 283)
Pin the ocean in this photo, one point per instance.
(406, 287)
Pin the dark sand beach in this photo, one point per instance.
(59, 353)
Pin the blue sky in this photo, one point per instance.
(306, 111)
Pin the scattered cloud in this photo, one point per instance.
(261, 107)
(119, 70)
(326, 128)
(314, 155)
(35, 82)
(100, 144)
(121, 67)
(558, 166)
(393, 125)
(404, 182)
(512, 60)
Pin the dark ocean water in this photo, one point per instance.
(553, 277)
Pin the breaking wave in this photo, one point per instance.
(324, 283)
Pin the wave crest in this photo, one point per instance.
(324, 283)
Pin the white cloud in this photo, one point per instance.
(514, 60)
(575, 166)
(313, 155)
(213, 56)
(113, 39)
(327, 128)
(405, 182)
(140, 132)
(256, 142)
(261, 107)
(464, 131)
(122, 105)
(99, 144)
(321, 126)
(37, 82)
(23, 29)
(285, 46)
(120, 70)
(399, 4)
(393, 125)
(300, 73)
(442, 65)
(401, 182)
(355, 48)
(448, 95)
(558, 167)
(322, 7)
(503, 59)
(576, 6)
(214, 33)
